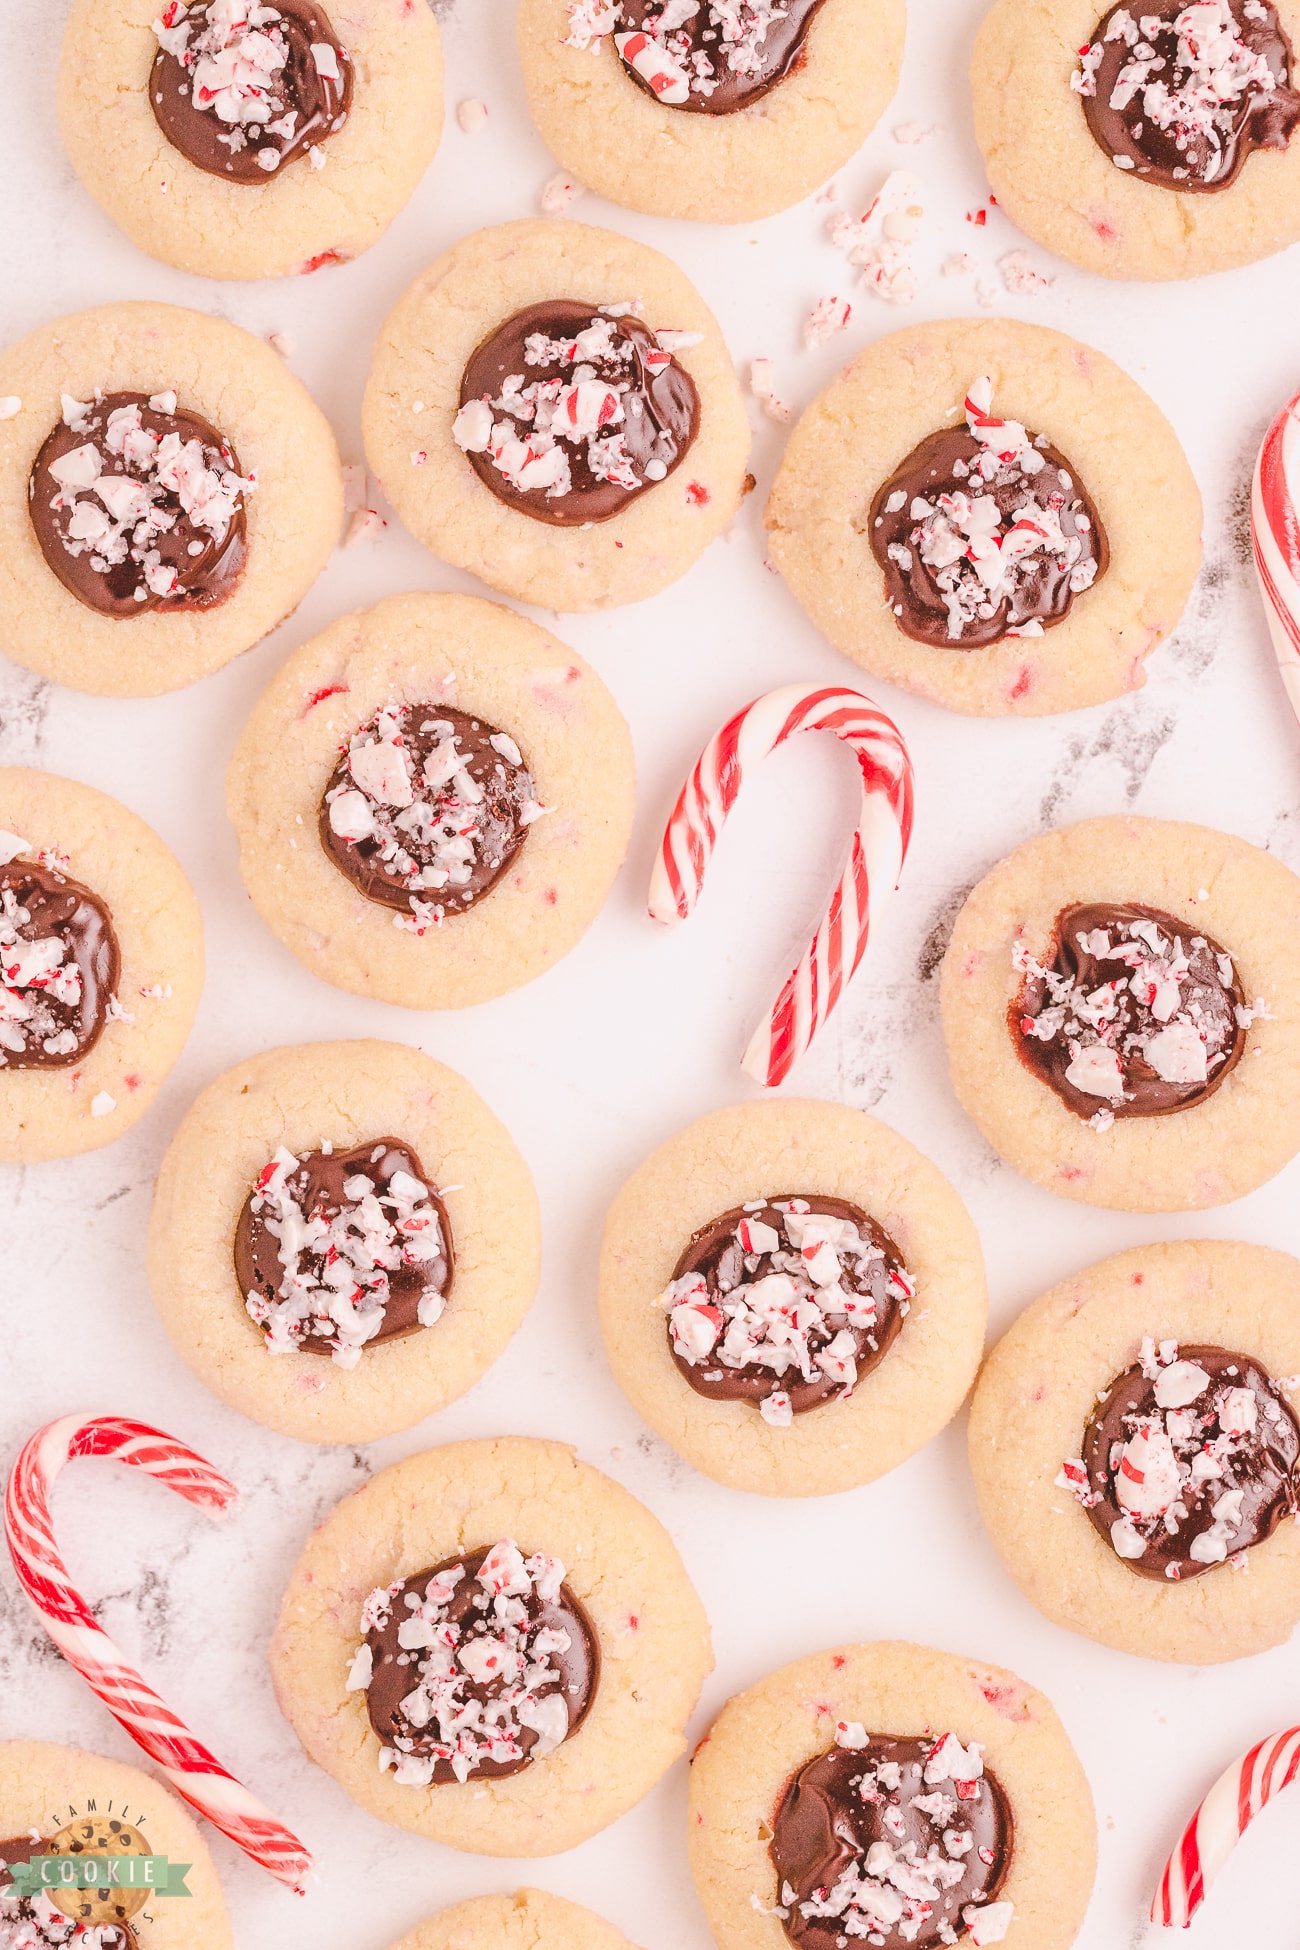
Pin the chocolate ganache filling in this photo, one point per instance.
(59, 967)
(1180, 95)
(139, 505)
(242, 89)
(890, 1841)
(337, 1251)
(426, 809)
(1189, 1458)
(711, 57)
(33, 1922)
(984, 532)
(476, 1668)
(1137, 1014)
(785, 1302)
(569, 412)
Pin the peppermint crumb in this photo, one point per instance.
(559, 193)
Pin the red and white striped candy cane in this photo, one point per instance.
(875, 858)
(1275, 530)
(1222, 1818)
(187, 1763)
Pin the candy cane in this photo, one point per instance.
(1213, 1831)
(1275, 529)
(875, 859)
(192, 1770)
(663, 76)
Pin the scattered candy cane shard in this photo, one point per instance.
(875, 861)
(192, 1770)
(1222, 1818)
(1275, 528)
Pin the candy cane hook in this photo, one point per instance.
(192, 1770)
(1275, 533)
(871, 874)
(1218, 1824)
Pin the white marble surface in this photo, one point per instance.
(638, 1032)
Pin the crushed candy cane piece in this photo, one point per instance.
(471, 115)
(762, 375)
(559, 193)
(878, 243)
(827, 317)
(1020, 276)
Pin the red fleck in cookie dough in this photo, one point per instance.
(553, 408)
(101, 965)
(168, 493)
(891, 1795)
(989, 514)
(530, 1919)
(1121, 1004)
(1144, 143)
(494, 1645)
(343, 1239)
(251, 141)
(792, 1296)
(1134, 1441)
(432, 801)
(101, 1808)
(719, 110)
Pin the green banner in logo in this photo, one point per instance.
(152, 1872)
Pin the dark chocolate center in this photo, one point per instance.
(426, 809)
(139, 505)
(243, 89)
(586, 412)
(1180, 95)
(867, 1849)
(337, 1245)
(931, 525)
(477, 1677)
(1184, 1468)
(795, 1297)
(717, 59)
(59, 967)
(1138, 1014)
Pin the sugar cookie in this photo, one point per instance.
(1134, 1443)
(389, 1161)
(964, 1762)
(989, 514)
(756, 1212)
(601, 493)
(373, 750)
(57, 1801)
(658, 122)
(513, 1551)
(1089, 167)
(1121, 1004)
(101, 965)
(353, 89)
(169, 492)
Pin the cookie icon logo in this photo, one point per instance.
(108, 1904)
